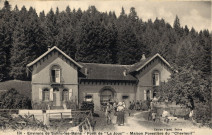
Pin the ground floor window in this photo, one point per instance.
(46, 94)
(65, 95)
(125, 97)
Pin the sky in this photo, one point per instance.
(195, 14)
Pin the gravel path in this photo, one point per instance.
(138, 124)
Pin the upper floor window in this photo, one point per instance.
(55, 74)
(156, 78)
(46, 94)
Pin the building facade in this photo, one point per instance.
(57, 78)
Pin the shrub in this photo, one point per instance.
(71, 105)
(144, 105)
(42, 105)
(14, 100)
(202, 113)
(87, 106)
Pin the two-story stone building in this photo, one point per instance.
(58, 78)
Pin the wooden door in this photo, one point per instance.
(58, 98)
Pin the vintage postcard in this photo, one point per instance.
(103, 67)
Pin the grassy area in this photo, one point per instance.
(23, 87)
(60, 125)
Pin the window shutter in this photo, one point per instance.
(51, 94)
(157, 79)
(144, 94)
(61, 95)
(57, 76)
(150, 93)
(84, 94)
(40, 94)
(70, 93)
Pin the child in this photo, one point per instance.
(153, 116)
(150, 115)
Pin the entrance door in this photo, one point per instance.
(56, 97)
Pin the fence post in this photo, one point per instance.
(89, 124)
(86, 125)
(45, 119)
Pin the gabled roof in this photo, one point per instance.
(97, 71)
(50, 50)
(141, 64)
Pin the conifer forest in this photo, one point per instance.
(103, 37)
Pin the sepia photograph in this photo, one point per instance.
(104, 67)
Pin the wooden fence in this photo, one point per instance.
(86, 125)
(82, 125)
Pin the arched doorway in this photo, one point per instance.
(107, 94)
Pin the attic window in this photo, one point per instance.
(55, 74)
(156, 78)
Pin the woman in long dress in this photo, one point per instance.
(120, 114)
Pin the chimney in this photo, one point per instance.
(49, 47)
(143, 57)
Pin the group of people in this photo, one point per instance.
(139, 105)
(115, 113)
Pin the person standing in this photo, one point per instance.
(108, 113)
(130, 108)
(140, 103)
(151, 105)
(114, 105)
(137, 106)
(123, 104)
(120, 114)
(133, 105)
(153, 115)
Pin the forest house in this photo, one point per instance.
(57, 78)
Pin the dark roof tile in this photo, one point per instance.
(97, 71)
(138, 64)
